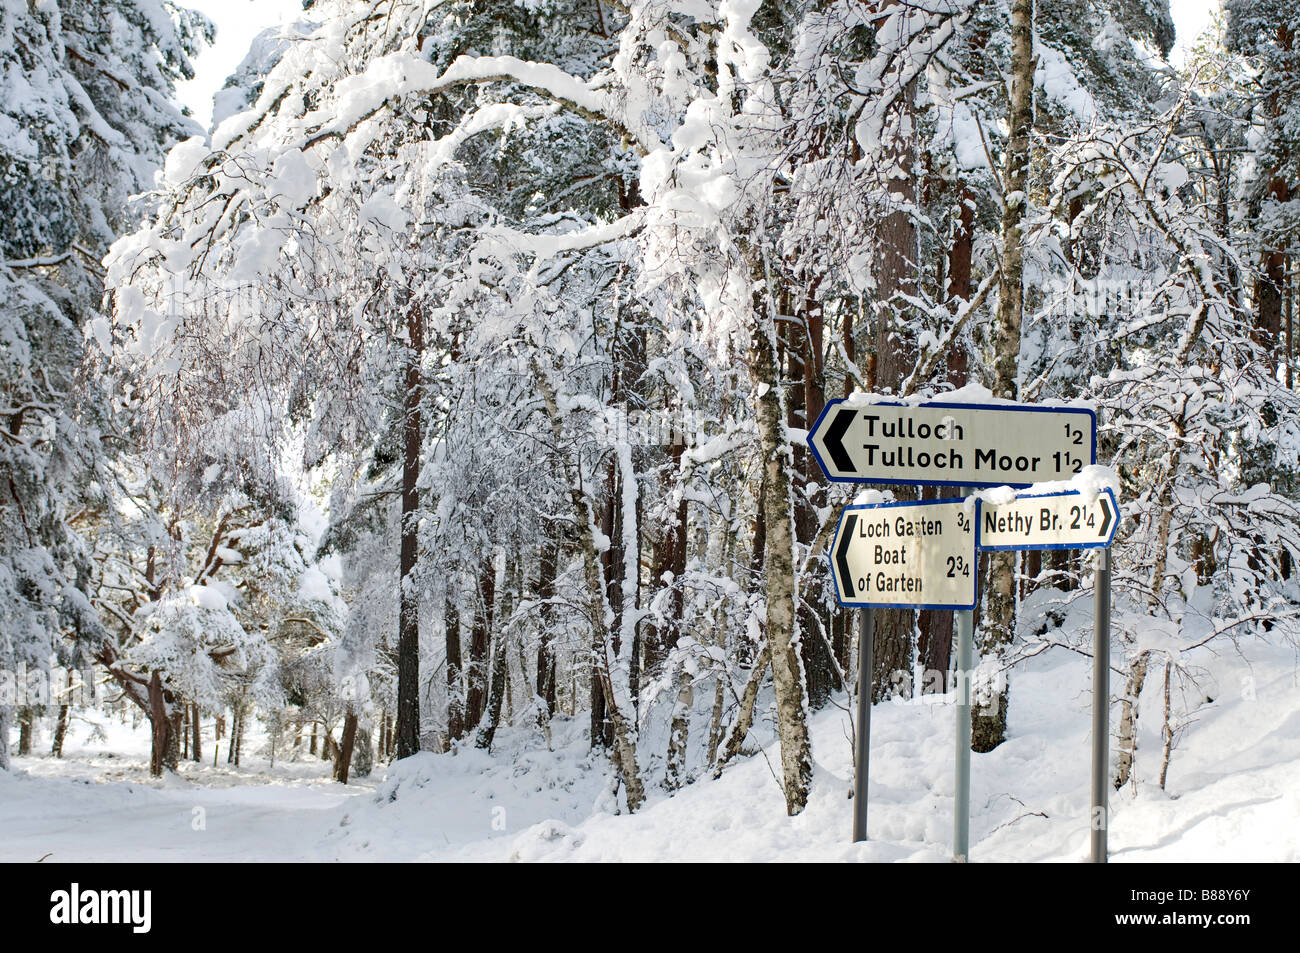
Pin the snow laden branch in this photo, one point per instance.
(392, 78)
(908, 38)
(938, 349)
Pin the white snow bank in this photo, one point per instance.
(1233, 791)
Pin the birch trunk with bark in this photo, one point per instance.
(779, 584)
(679, 728)
(5, 718)
(500, 661)
(1128, 711)
(989, 720)
(600, 615)
(745, 715)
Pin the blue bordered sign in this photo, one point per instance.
(918, 554)
(950, 444)
(1061, 520)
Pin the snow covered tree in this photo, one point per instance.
(85, 117)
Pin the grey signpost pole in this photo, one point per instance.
(1101, 707)
(961, 806)
(970, 445)
(862, 754)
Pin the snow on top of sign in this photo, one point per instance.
(1089, 483)
(968, 394)
(998, 495)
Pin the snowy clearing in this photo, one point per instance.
(1234, 791)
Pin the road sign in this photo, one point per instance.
(942, 444)
(1063, 520)
(918, 554)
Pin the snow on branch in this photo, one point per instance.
(397, 75)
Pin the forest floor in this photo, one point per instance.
(1233, 790)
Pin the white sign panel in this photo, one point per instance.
(1064, 520)
(941, 444)
(913, 554)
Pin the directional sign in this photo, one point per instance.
(940, 444)
(1064, 520)
(918, 554)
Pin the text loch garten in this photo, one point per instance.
(904, 534)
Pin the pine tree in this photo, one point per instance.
(85, 117)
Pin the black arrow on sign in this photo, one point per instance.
(834, 440)
(1105, 509)
(842, 552)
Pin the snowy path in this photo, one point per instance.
(1233, 793)
(75, 816)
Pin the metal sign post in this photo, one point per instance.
(1067, 520)
(862, 749)
(1101, 707)
(922, 554)
(913, 554)
(961, 789)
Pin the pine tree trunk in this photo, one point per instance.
(25, 718)
(172, 753)
(196, 722)
(1015, 198)
(236, 734)
(546, 675)
(363, 753)
(343, 762)
(159, 724)
(896, 270)
(1289, 296)
(408, 641)
(480, 646)
(455, 677)
(61, 726)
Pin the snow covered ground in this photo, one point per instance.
(1233, 792)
